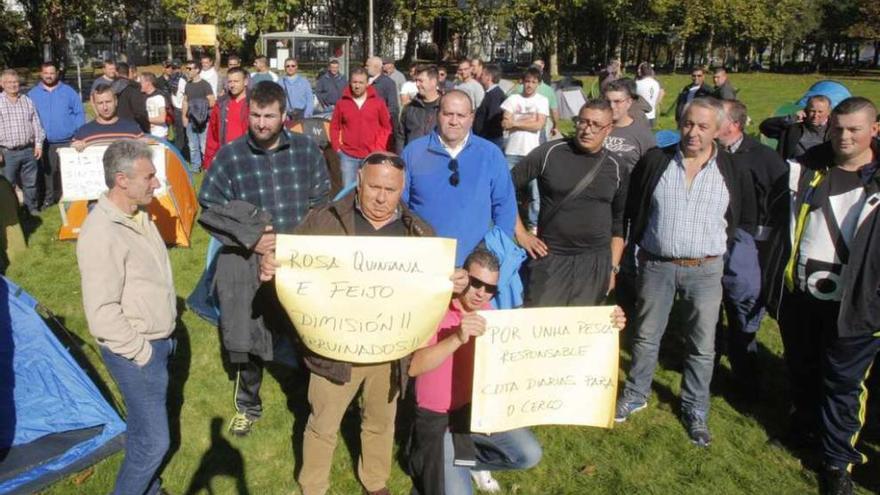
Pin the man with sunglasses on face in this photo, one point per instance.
(372, 209)
(457, 181)
(577, 252)
(696, 89)
(444, 454)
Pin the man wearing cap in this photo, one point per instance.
(391, 71)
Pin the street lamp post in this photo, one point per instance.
(370, 28)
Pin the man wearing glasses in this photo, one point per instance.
(300, 100)
(577, 254)
(629, 140)
(457, 181)
(696, 89)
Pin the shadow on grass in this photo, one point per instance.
(221, 459)
(178, 375)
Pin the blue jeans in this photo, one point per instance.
(509, 450)
(144, 390)
(743, 304)
(534, 194)
(349, 166)
(699, 288)
(197, 141)
(20, 167)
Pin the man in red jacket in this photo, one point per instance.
(229, 117)
(361, 125)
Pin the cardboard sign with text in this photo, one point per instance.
(364, 299)
(201, 34)
(82, 173)
(545, 366)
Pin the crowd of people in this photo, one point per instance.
(717, 221)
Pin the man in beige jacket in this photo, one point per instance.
(130, 305)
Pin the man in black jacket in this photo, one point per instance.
(696, 89)
(742, 274)
(132, 104)
(487, 120)
(684, 206)
(797, 133)
(824, 288)
(419, 116)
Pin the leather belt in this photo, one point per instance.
(17, 148)
(686, 262)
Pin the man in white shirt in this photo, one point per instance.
(156, 102)
(524, 117)
(209, 73)
(649, 88)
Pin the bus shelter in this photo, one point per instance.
(312, 51)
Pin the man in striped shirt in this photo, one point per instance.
(685, 203)
(21, 138)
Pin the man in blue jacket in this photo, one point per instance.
(61, 113)
(457, 181)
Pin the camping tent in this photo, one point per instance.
(53, 419)
(173, 208)
(570, 100)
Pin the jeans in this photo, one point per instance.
(700, 291)
(179, 132)
(743, 305)
(349, 166)
(144, 390)
(509, 450)
(197, 141)
(51, 173)
(534, 200)
(21, 164)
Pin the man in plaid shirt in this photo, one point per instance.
(21, 138)
(282, 175)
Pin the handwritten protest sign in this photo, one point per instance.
(364, 299)
(201, 34)
(82, 173)
(545, 366)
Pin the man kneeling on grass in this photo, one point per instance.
(443, 452)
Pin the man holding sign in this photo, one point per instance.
(373, 209)
(443, 451)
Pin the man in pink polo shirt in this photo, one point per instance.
(444, 453)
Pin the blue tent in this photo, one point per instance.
(53, 419)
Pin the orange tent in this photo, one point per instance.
(173, 208)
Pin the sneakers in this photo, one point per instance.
(626, 408)
(836, 482)
(240, 425)
(697, 428)
(485, 482)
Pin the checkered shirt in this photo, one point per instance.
(286, 181)
(688, 222)
(19, 123)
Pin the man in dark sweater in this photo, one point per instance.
(685, 204)
(696, 89)
(487, 120)
(795, 134)
(742, 273)
(419, 116)
(132, 102)
(576, 255)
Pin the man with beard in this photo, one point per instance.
(61, 113)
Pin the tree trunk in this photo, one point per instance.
(553, 49)
(709, 45)
(409, 49)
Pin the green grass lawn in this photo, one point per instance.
(650, 454)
